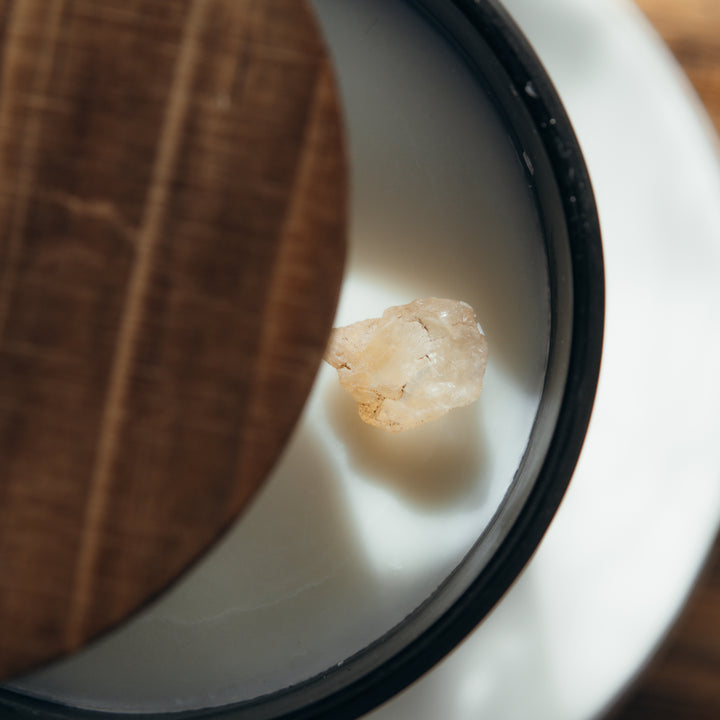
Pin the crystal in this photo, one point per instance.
(413, 364)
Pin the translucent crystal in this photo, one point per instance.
(413, 364)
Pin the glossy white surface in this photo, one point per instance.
(644, 505)
(356, 528)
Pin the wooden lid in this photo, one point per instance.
(172, 225)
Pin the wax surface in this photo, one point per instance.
(356, 527)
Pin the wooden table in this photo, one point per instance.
(683, 681)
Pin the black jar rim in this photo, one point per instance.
(496, 50)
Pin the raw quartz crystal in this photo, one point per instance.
(413, 364)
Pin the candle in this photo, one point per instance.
(356, 528)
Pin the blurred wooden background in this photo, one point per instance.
(683, 681)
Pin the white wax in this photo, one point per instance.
(356, 527)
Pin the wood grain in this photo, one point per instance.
(683, 680)
(172, 216)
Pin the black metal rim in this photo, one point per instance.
(352, 694)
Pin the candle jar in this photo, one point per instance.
(367, 557)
